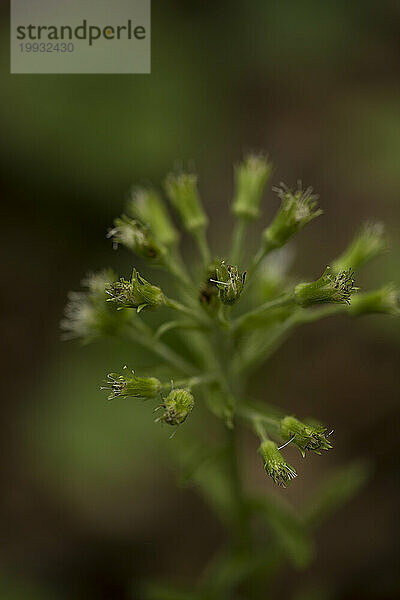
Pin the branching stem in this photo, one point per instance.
(285, 300)
(147, 340)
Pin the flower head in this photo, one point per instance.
(136, 237)
(386, 300)
(251, 177)
(146, 205)
(298, 207)
(128, 385)
(177, 407)
(275, 464)
(305, 436)
(184, 196)
(87, 314)
(368, 243)
(330, 287)
(136, 293)
(230, 282)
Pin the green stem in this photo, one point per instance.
(259, 429)
(259, 421)
(284, 300)
(309, 316)
(238, 239)
(261, 254)
(277, 337)
(191, 382)
(201, 241)
(194, 314)
(241, 532)
(176, 269)
(145, 338)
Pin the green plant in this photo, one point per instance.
(232, 333)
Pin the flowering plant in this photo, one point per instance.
(232, 332)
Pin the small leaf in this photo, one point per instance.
(229, 569)
(291, 533)
(336, 491)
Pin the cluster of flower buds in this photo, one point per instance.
(128, 385)
(136, 237)
(305, 436)
(368, 243)
(330, 287)
(136, 293)
(87, 314)
(275, 464)
(147, 230)
(298, 207)
(251, 177)
(177, 406)
(230, 282)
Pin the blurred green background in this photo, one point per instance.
(89, 503)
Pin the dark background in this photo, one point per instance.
(88, 504)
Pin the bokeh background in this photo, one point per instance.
(89, 504)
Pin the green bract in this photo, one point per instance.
(136, 293)
(136, 237)
(305, 436)
(130, 386)
(298, 207)
(251, 177)
(146, 205)
(386, 300)
(182, 191)
(368, 243)
(275, 465)
(330, 287)
(230, 282)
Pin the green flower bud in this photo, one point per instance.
(298, 207)
(368, 243)
(136, 293)
(136, 237)
(386, 300)
(87, 314)
(306, 436)
(147, 206)
(126, 386)
(184, 196)
(330, 287)
(251, 177)
(177, 407)
(275, 465)
(230, 282)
